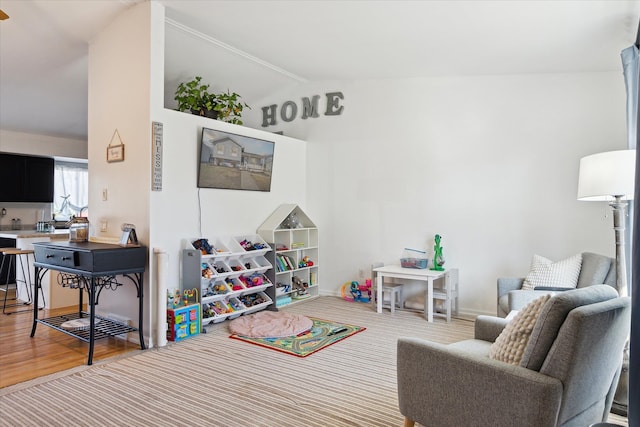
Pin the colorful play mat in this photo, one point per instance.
(322, 334)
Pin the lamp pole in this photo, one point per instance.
(620, 404)
(619, 208)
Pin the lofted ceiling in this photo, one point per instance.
(259, 47)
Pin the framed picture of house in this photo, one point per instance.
(234, 162)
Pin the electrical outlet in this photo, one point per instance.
(103, 226)
(105, 195)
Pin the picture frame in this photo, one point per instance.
(234, 162)
(128, 237)
(115, 153)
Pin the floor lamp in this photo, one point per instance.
(610, 176)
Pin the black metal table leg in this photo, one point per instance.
(80, 292)
(36, 293)
(140, 308)
(92, 318)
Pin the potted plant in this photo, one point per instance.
(195, 97)
(230, 107)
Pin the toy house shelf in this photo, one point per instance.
(294, 239)
(232, 277)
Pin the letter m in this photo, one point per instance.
(310, 107)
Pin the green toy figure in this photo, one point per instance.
(438, 258)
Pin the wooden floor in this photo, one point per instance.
(24, 358)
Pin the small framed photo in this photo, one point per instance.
(115, 153)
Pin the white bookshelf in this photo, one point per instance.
(295, 253)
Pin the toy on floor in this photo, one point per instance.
(356, 290)
(176, 299)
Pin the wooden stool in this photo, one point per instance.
(5, 287)
(14, 256)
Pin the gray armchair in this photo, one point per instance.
(596, 269)
(567, 376)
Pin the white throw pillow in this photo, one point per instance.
(544, 272)
(510, 345)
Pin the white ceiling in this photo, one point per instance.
(258, 47)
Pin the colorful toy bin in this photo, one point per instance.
(183, 322)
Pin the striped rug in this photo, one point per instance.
(213, 380)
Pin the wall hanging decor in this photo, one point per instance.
(234, 162)
(309, 109)
(156, 155)
(115, 151)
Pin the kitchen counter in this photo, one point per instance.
(29, 234)
(54, 296)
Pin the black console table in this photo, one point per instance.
(91, 267)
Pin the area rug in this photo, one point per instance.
(270, 324)
(322, 334)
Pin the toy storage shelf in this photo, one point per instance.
(294, 238)
(232, 280)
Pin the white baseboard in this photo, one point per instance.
(463, 312)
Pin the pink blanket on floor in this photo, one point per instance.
(270, 324)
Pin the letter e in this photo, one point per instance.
(333, 109)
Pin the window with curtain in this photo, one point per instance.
(71, 189)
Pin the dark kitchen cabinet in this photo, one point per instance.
(26, 178)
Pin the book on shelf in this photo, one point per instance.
(289, 262)
(285, 263)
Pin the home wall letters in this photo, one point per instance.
(289, 109)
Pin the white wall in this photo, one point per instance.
(180, 209)
(42, 145)
(489, 162)
(181, 212)
(129, 98)
(120, 65)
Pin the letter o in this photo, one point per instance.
(283, 111)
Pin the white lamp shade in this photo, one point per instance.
(608, 174)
